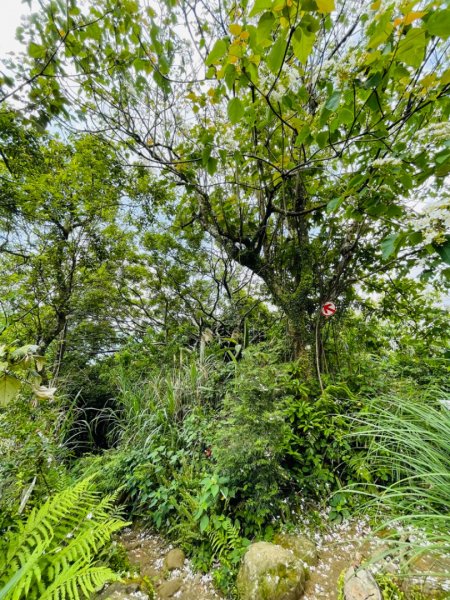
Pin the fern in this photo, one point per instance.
(52, 554)
(224, 537)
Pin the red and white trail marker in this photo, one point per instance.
(328, 309)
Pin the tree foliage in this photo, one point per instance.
(303, 133)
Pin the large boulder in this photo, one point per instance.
(302, 547)
(359, 584)
(175, 559)
(270, 572)
(169, 588)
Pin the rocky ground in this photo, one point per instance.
(167, 569)
(318, 558)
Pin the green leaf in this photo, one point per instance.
(162, 82)
(346, 116)
(276, 55)
(211, 165)
(439, 24)
(215, 490)
(334, 204)
(391, 245)
(219, 50)
(204, 522)
(9, 388)
(36, 51)
(302, 44)
(259, 6)
(444, 250)
(411, 48)
(302, 135)
(333, 101)
(235, 110)
(265, 25)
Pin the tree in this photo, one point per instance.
(301, 131)
(92, 256)
(61, 252)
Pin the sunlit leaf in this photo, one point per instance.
(235, 110)
(439, 24)
(9, 388)
(219, 50)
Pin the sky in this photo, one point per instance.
(10, 13)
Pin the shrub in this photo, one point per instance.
(247, 440)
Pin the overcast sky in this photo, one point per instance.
(10, 13)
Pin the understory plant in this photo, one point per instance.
(53, 554)
(407, 440)
(32, 454)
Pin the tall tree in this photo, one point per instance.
(92, 255)
(302, 131)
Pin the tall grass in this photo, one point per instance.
(159, 403)
(408, 445)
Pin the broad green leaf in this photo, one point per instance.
(36, 51)
(265, 25)
(303, 134)
(302, 44)
(439, 24)
(391, 245)
(333, 101)
(411, 48)
(235, 110)
(335, 204)
(346, 116)
(276, 55)
(219, 50)
(211, 165)
(259, 6)
(325, 5)
(444, 250)
(204, 522)
(382, 31)
(9, 388)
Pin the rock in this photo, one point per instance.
(359, 584)
(122, 591)
(270, 572)
(303, 548)
(149, 571)
(169, 588)
(428, 575)
(174, 559)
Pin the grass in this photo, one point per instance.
(408, 445)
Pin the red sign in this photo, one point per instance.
(328, 309)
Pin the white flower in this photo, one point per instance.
(387, 160)
(43, 392)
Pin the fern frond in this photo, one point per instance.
(223, 536)
(86, 578)
(18, 581)
(55, 548)
(86, 544)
